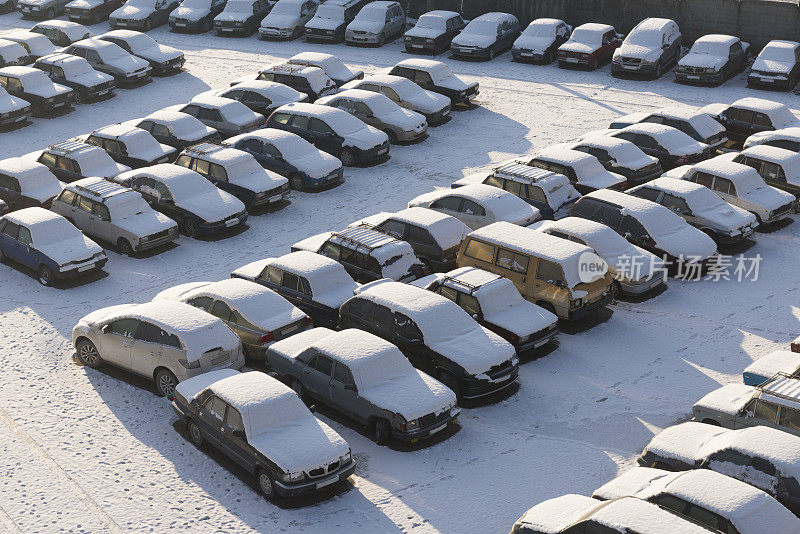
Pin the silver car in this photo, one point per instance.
(376, 23)
(164, 341)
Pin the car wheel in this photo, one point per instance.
(265, 484)
(125, 247)
(382, 432)
(594, 64)
(45, 275)
(190, 227)
(88, 354)
(451, 382)
(657, 71)
(347, 157)
(381, 39)
(77, 97)
(296, 182)
(392, 136)
(194, 434)
(165, 383)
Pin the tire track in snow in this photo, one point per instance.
(7, 523)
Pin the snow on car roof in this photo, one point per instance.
(598, 236)
(182, 182)
(267, 87)
(30, 217)
(717, 38)
(728, 399)
(653, 23)
(181, 123)
(595, 27)
(781, 448)
(778, 361)
(330, 283)
(333, 117)
(35, 180)
(743, 176)
(494, 16)
(390, 79)
(192, 387)
(629, 514)
(445, 229)
(9, 47)
(671, 138)
(440, 13)
(779, 388)
(555, 515)
(503, 204)
(779, 114)
(564, 154)
(135, 138)
(217, 101)
(72, 29)
(28, 75)
(395, 256)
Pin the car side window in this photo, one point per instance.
(93, 57)
(550, 272)
(731, 456)
(361, 307)
(67, 197)
(221, 310)
(202, 166)
(536, 193)
(318, 126)
(290, 281)
(675, 203)
(515, 188)
(84, 204)
(759, 119)
(469, 304)
(513, 261)
(647, 193)
(472, 208)
(216, 407)
(406, 328)
(723, 185)
(703, 178)
(270, 150)
(630, 227)
(764, 466)
(789, 418)
(382, 316)
(706, 517)
(323, 364)
(300, 121)
(766, 411)
(101, 211)
(479, 251)
(218, 172)
(24, 236)
(11, 230)
(204, 303)
(331, 250)
(192, 110)
(448, 203)
(281, 118)
(420, 236)
(390, 93)
(422, 77)
(394, 227)
(125, 327)
(670, 502)
(148, 332)
(494, 181)
(343, 375)
(251, 145)
(772, 171)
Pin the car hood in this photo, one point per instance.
(73, 249)
(687, 241)
(601, 180)
(12, 103)
(232, 16)
(702, 60)
(767, 196)
(455, 83)
(412, 395)
(159, 53)
(367, 138)
(476, 351)
(145, 223)
(213, 206)
(426, 33)
(92, 78)
(369, 26)
(638, 51)
(108, 168)
(533, 43)
(317, 165)
(638, 262)
(132, 12)
(474, 39)
(428, 101)
(153, 152)
(575, 46)
(324, 24)
(47, 91)
(129, 63)
(728, 399)
(84, 4)
(521, 318)
(280, 21)
(189, 13)
(729, 217)
(770, 65)
(403, 118)
(258, 182)
(300, 446)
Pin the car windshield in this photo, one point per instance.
(431, 23)
(142, 3)
(110, 53)
(481, 27)
(52, 231)
(132, 204)
(704, 200)
(346, 124)
(382, 106)
(239, 6)
(586, 36)
(374, 14)
(330, 12)
(648, 38)
(778, 53)
(710, 48)
(189, 185)
(540, 30)
(286, 8)
(196, 4)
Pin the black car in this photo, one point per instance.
(437, 77)
(311, 81)
(433, 32)
(34, 86)
(131, 146)
(241, 16)
(195, 16)
(540, 40)
(61, 32)
(712, 60)
(142, 15)
(76, 73)
(622, 157)
(331, 18)
(176, 129)
(751, 115)
(777, 66)
(486, 36)
(669, 145)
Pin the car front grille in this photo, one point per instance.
(222, 358)
(322, 471)
(693, 70)
(497, 371)
(433, 418)
(630, 60)
(159, 235)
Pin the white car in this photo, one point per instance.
(62, 32)
(777, 166)
(712, 59)
(36, 87)
(228, 117)
(406, 94)
(112, 59)
(334, 68)
(176, 129)
(287, 19)
(477, 205)
(635, 270)
(650, 47)
(787, 138)
(163, 59)
(540, 40)
(36, 44)
(261, 96)
(583, 170)
(621, 157)
(777, 65)
(12, 53)
(12, 109)
(698, 125)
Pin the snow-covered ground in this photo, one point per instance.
(92, 451)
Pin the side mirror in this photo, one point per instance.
(312, 408)
(475, 316)
(106, 328)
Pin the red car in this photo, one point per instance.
(590, 45)
(91, 11)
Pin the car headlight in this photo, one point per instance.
(344, 460)
(173, 230)
(144, 239)
(577, 303)
(515, 361)
(292, 477)
(194, 364)
(412, 425)
(428, 40)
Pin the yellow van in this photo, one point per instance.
(564, 277)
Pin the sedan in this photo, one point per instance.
(163, 59)
(712, 59)
(539, 42)
(262, 96)
(777, 65)
(487, 35)
(589, 45)
(407, 94)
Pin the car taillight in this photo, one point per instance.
(307, 320)
(425, 270)
(682, 159)
(266, 338)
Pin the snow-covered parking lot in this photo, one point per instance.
(92, 451)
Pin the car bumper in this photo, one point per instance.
(333, 177)
(754, 80)
(127, 24)
(640, 176)
(564, 61)
(155, 243)
(426, 432)
(16, 116)
(361, 38)
(537, 341)
(275, 33)
(628, 68)
(187, 25)
(731, 239)
(230, 30)
(306, 487)
(590, 308)
(34, 12)
(413, 46)
(333, 37)
(221, 226)
(411, 135)
(470, 52)
(528, 55)
(438, 117)
(371, 154)
(473, 389)
(780, 213)
(130, 79)
(81, 16)
(633, 288)
(272, 197)
(705, 77)
(81, 270)
(165, 68)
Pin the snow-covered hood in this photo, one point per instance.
(324, 23)
(521, 318)
(129, 12)
(301, 446)
(474, 39)
(189, 13)
(770, 65)
(317, 165)
(233, 16)
(638, 51)
(369, 26)
(213, 206)
(152, 152)
(600, 180)
(73, 249)
(258, 182)
(631, 263)
(128, 63)
(533, 43)
(48, 90)
(413, 395)
(403, 118)
(766, 196)
(454, 82)
(476, 351)
(728, 399)
(158, 53)
(702, 60)
(145, 223)
(10, 103)
(425, 33)
(575, 46)
(84, 4)
(367, 138)
(276, 20)
(107, 168)
(687, 241)
(729, 217)
(91, 78)
(427, 101)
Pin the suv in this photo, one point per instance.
(651, 46)
(91, 11)
(61, 32)
(228, 117)
(131, 146)
(111, 59)
(311, 81)
(750, 115)
(331, 18)
(241, 16)
(143, 15)
(25, 184)
(73, 160)
(114, 214)
(376, 23)
(433, 31)
(777, 166)
(76, 73)
(35, 87)
(195, 16)
(437, 77)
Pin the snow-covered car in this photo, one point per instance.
(739, 185)
(13, 53)
(406, 94)
(76, 73)
(787, 138)
(331, 19)
(291, 156)
(635, 270)
(36, 44)
(367, 254)
(778, 167)
(496, 304)
(367, 379)
(49, 244)
(112, 59)
(143, 15)
(189, 199)
(571, 513)
(3, 208)
(583, 170)
(164, 341)
(652, 46)
(712, 59)
(287, 19)
(477, 205)
(436, 335)
(733, 506)
(650, 226)
(25, 183)
(437, 77)
(162, 59)
(621, 157)
(130, 145)
(39, 9)
(314, 283)
(62, 32)
(376, 23)
(777, 65)
(262, 96)
(241, 16)
(698, 125)
(540, 40)
(236, 172)
(258, 315)
(784, 362)
(34, 86)
(763, 457)
(435, 237)
(13, 110)
(228, 117)
(486, 36)
(195, 16)
(589, 45)
(115, 214)
(334, 68)
(433, 31)
(176, 129)
(7, 6)
(724, 223)
(73, 160)
(335, 131)
(375, 109)
(266, 429)
(310, 80)
(671, 146)
(91, 11)
(750, 115)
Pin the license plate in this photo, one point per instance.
(383, 151)
(572, 60)
(328, 482)
(763, 79)
(628, 67)
(85, 268)
(290, 329)
(180, 24)
(467, 51)
(438, 428)
(104, 92)
(693, 77)
(276, 198)
(416, 46)
(227, 29)
(526, 54)
(232, 222)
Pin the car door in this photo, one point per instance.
(211, 415)
(102, 225)
(474, 215)
(81, 213)
(344, 394)
(147, 352)
(233, 433)
(117, 340)
(211, 117)
(28, 255)
(423, 242)
(326, 138)
(221, 310)
(10, 244)
(10, 193)
(316, 376)
(358, 314)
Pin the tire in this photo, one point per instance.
(46, 277)
(450, 381)
(77, 98)
(594, 64)
(194, 433)
(88, 354)
(347, 157)
(382, 432)
(125, 247)
(381, 39)
(165, 383)
(392, 136)
(657, 71)
(190, 227)
(265, 484)
(296, 182)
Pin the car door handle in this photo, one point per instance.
(305, 372)
(222, 430)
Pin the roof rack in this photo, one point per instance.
(355, 240)
(369, 225)
(101, 188)
(205, 147)
(67, 147)
(519, 170)
(472, 287)
(764, 387)
(290, 67)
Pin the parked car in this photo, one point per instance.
(621, 157)
(162, 59)
(652, 46)
(76, 73)
(495, 303)
(61, 32)
(712, 59)
(266, 429)
(433, 31)
(287, 19)
(228, 117)
(780, 168)
(332, 65)
(35, 87)
(311, 81)
(367, 379)
(13, 53)
(143, 15)
(760, 456)
(540, 40)
(40, 9)
(130, 146)
(335, 131)
(73, 160)
(698, 125)
(486, 36)
(748, 116)
(3, 208)
(259, 316)
(783, 362)
(583, 170)
(261, 96)
(195, 16)
(671, 146)
(331, 19)
(435, 237)
(36, 44)
(733, 506)
(241, 16)
(25, 184)
(236, 172)
(563, 277)
(437, 77)
(375, 109)
(406, 94)
(777, 65)
(49, 244)
(589, 45)
(367, 254)
(635, 270)
(112, 59)
(115, 214)
(91, 11)
(652, 227)
(314, 283)
(189, 199)
(786, 138)
(13, 110)
(725, 223)
(7, 7)
(376, 23)
(291, 156)
(176, 129)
